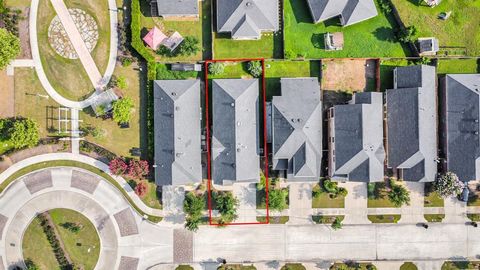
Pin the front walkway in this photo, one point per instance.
(300, 198)
(246, 194)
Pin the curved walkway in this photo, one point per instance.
(127, 241)
(38, 63)
(83, 159)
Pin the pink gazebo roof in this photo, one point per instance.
(154, 38)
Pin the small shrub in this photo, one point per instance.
(126, 61)
(337, 224)
(122, 110)
(141, 189)
(122, 82)
(189, 46)
(449, 185)
(118, 166)
(255, 68)
(137, 169)
(330, 187)
(216, 68)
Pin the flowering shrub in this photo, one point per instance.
(118, 166)
(137, 169)
(449, 185)
(141, 188)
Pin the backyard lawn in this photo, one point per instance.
(371, 38)
(462, 29)
(453, 66)
(269, 46)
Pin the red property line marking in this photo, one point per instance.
(207, 124)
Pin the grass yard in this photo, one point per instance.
(199, 29)
(434, 217)
(293, 266)
(454, 66)
(386, 71)
(233, 70)
(432, 198)
(378, 196)
(408, 266)
(457, 265)
(326, 219)
(164, 73)
(325, 200)
(269, 46)
(67, 76)
(352, 266)
(462, 29)
(274, 219)
(184, 267)
(371, 38)
(384, 218)
(236, 267)
(36, 247)
(84, 246)
(474, 217)
(17, 3)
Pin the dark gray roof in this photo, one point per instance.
(462, 120)
(177, 7)
(177, 132)
(297, 129)
(357, 129)
(246, 19)
(235, 134)
(412, 123)
(350, 11)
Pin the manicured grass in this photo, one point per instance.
(36, 247)
(372, 38)
(474, 217)
(153, 197)
(432, 198)
(68, 77)
(324, 200)
(269, 46)
(274, 70)
(384, 218)
(236, 267)
(326, 219)
(381, 199)
(293, 266)
(164, 72)
(184, 27)
(274, 219)
(352, 266)
(434, 217)
(68, 163)
(408, 266)
(84, 246)
(233, 70)
(454, 66)
(386, 72)
(461, 29)
(17, 3)
(184, 267)
(457, 265)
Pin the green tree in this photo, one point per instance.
(122, 110)
(449, 185)
(408, 34)
(277, 199)
(398, 195)
(24, 133)
(193, 206)
(9, 47)
(216, 68)
(226, 205)
(189, 46)
(337, 224)
(255, 68)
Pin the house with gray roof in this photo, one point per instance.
(177, 117)
(412, 124)
(460, 99)
(297, 129)
(235, 134)
(349, 11)
(170, 9)
(247, 19)
(356, 151)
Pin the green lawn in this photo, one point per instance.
(233, 70)
(457, 265)
(164, 73)
(274, 70)
(371, 38)
(434, 217)
(36, 247)
(236, 267)
(326, 219)
(386, 71)
(474, 217)
(274, 219)
(454, 66)
(462, 29)
(293, 266)
(473, 199)
(408, 266)
(384, 218)
(326, 201)
(381, 199)
(184, 267)
(355, 266)
(268, 46)
(432, 198)
(84, 246)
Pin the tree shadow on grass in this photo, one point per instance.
(318, 40)
(384, 34)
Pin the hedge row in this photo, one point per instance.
(137, 42)
(55, 243)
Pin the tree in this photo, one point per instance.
(277, 199)
(141, 188)
(337, 223)
(137, 169)
(118, 166)
(449, 185)
(408, 34)
(255, 68)
(122, 110)
(93, 131)
(216, 68)
(398, 195)
(9, 47)
(226, 205)
(193, 206)
(24, 133)
(189, 46)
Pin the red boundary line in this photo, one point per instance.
(207, 124)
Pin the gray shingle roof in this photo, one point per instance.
(235, 135)
(350, 11)
(462, 125)
(411, 122)
(297, 129)
(246, 19)
(177, 7)
(177, 132)
(357, 129)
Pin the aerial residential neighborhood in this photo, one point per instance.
(239, 134)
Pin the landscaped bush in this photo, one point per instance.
(216, 68)
(255, 68)
(71, 226)
(333, 189)
(122, 110)
(398, 194)
(54, 243)
(277, 199)
(449, 185)
(10, 18)
(226, 204)
(141, 188)
(189, 46)
(93, 131)
(193, 206)
(122, 82)
(337, 224)
(118, 166)
(19, 133)
(137, 169)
